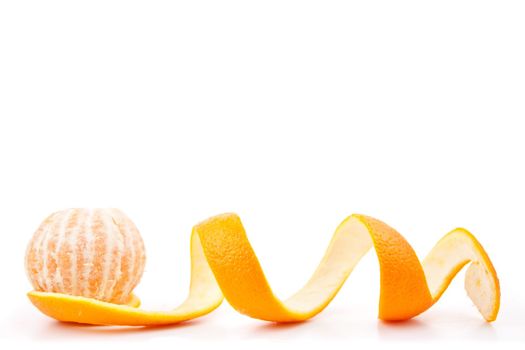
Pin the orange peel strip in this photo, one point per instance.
(224, 264)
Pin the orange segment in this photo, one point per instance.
(224, 263)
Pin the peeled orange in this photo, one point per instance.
(95, 253)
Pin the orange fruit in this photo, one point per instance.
(224, 263)
(95, 253)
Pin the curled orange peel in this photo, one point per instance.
(223, 263)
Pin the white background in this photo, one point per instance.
(294, 114)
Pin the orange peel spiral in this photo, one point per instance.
(224, 265)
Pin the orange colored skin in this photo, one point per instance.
(404, 291)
